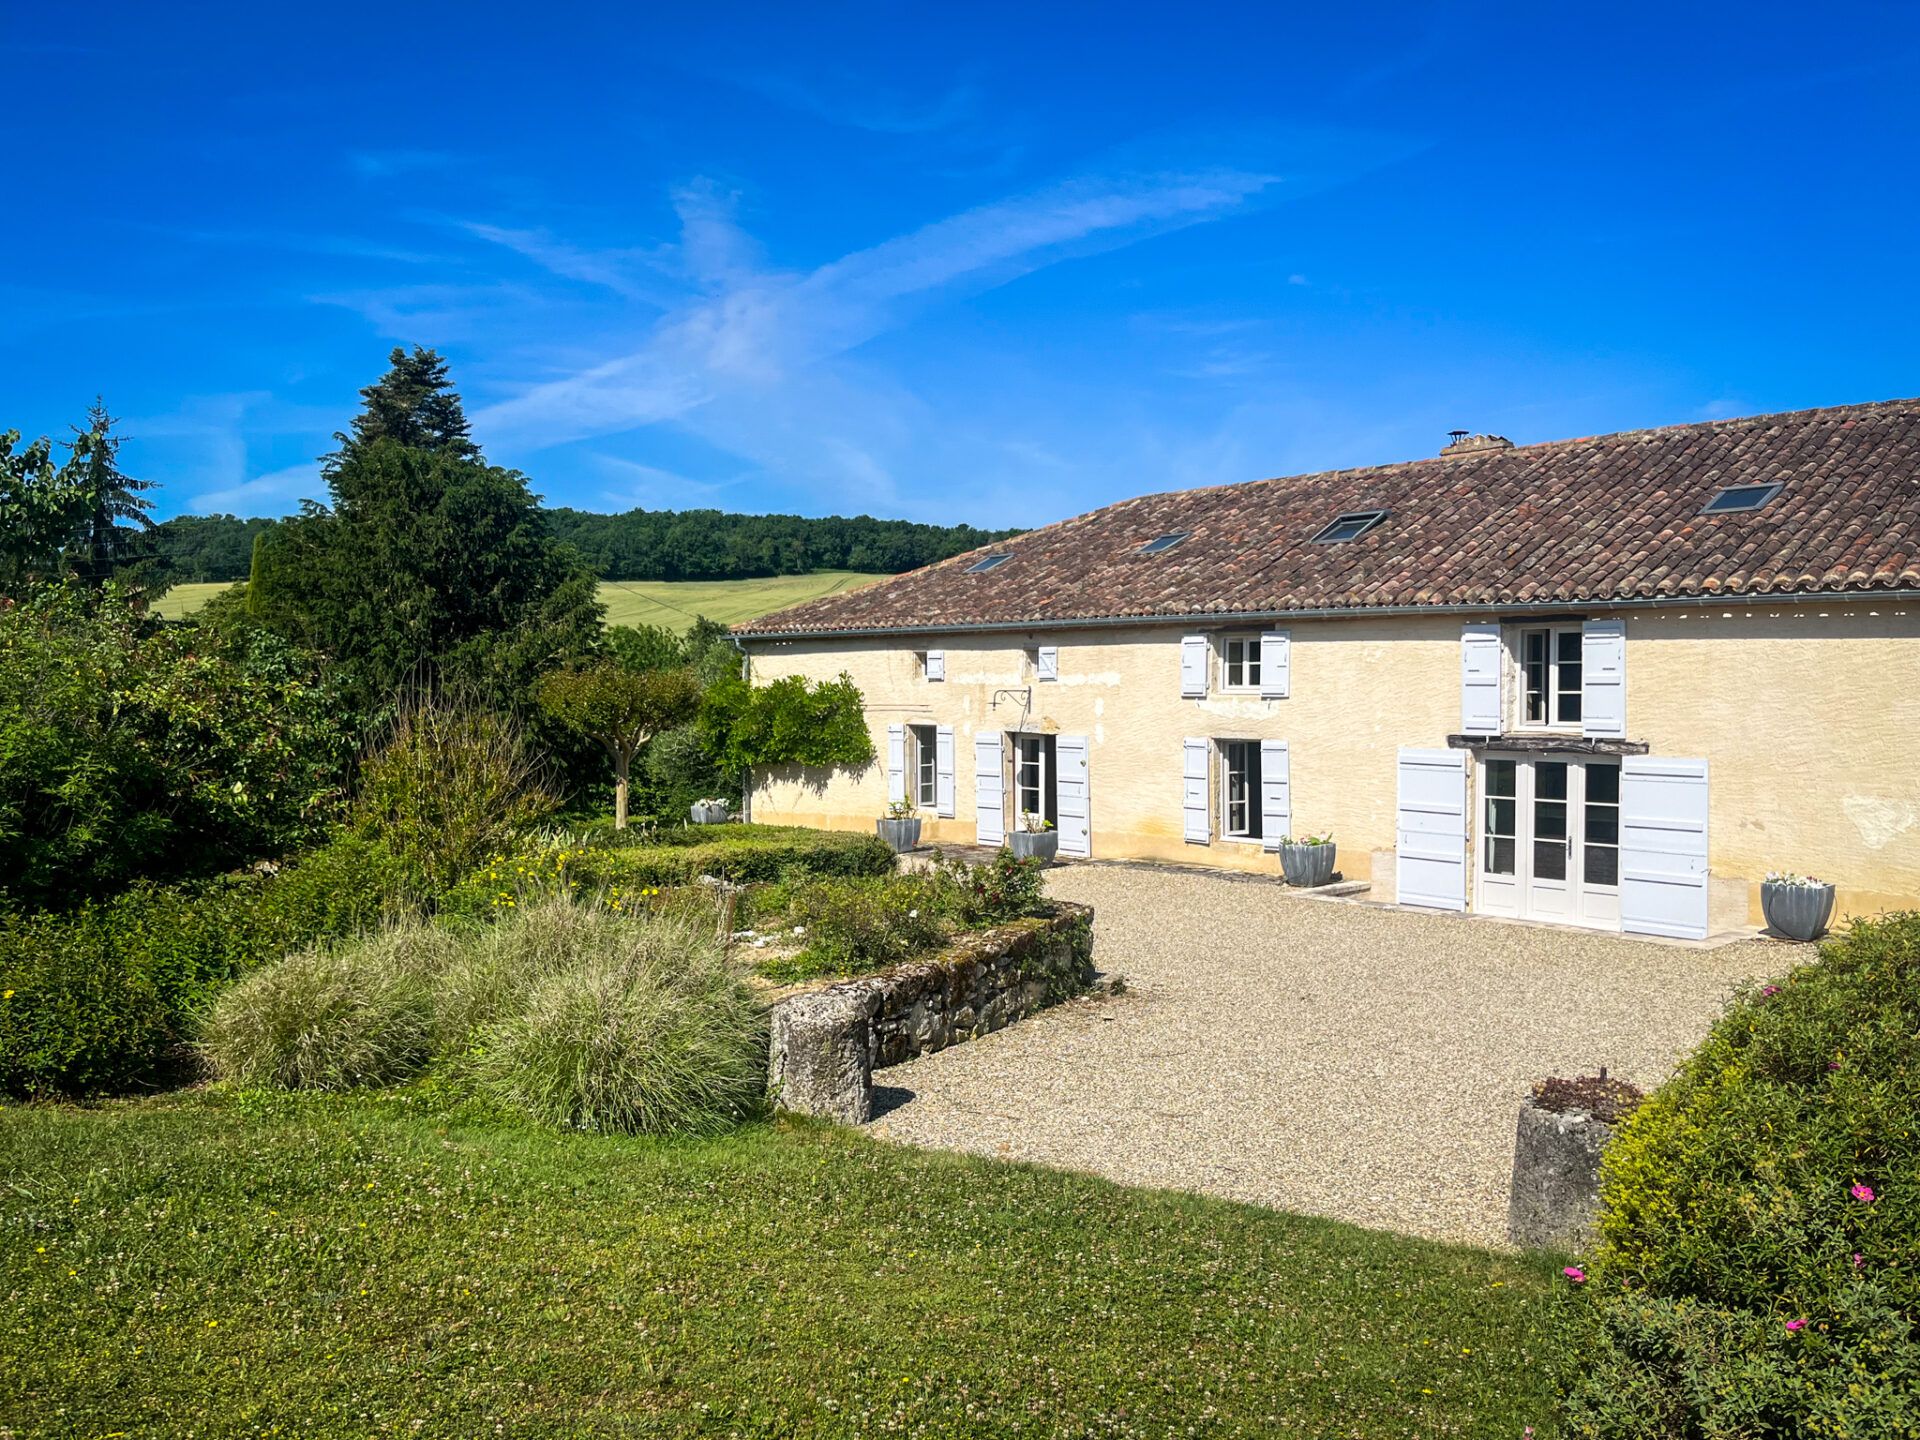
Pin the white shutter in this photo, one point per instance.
(1047, 664)
(1193, 667)
(1431, 859)
(1276, 664)
(936, 664)
(1663, 847)
(896, 762)
(1073, 816)
(989, 790)
(1197, 799)
(1276, 793)
(943, 770)
(1480, 679)
(1603, 677)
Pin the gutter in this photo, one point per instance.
(1342, 612)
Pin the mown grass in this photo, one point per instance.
(360, 1266)
(672, 603)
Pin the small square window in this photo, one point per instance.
(1240, 662)
(1164, 542)
(1736, 498)
(990, 562)
(1349, 526)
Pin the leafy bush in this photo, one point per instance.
(651, 1031)
(133, 749)
(787, 722)
(334, 1019)
(1760, 1217)
(1006, 888)
(567, 1012)
(854, 926)
(102, 998)
(449, 785)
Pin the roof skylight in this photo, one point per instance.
(1164, 542)
(1349, 526)
(1741, 497)
(986, 563)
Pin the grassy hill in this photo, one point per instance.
(673, 603)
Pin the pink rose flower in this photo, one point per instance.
(1575, 1274)
(1862, 1193)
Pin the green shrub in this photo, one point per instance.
(1006, 888)
(101, 998)
(650, 1032)
(448, 786)
(1774, 1180)
(573, 1014)
(857, 925)
(334, 1019)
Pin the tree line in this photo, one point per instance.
(640, 544)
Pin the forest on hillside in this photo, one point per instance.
(642, 544)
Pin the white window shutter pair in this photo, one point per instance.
(1276, 794)
(1196, 799)
(1047, 662)
(936, 664)
(896, 763)
(943, 770)
(1276, 664)
(1603, 678)
(1193, 668)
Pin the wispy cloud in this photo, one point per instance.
(274, 493)
(653, 488)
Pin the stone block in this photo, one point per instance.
(1556, 1178)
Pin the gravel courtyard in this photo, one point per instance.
(1343, 1060)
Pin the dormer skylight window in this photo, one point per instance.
(1164, 542)
(1350, 526)
(1736, 498)
(986, 563)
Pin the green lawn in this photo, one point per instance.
(673, 603)
(305, 1266)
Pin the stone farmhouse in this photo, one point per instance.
(1608, 682)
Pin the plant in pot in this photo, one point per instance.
(1036, 839)
(1796, 906)
(1308, 860)
(710, 812)
(899, 827)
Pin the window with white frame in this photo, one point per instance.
(922, 766)
(1240, 789)
(1549, 662)
(1240, 662)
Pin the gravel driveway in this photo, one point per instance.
(1339, 1059)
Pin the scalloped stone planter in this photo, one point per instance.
(1799, 912)
(1308, 865)
(710, 815)
(1035, 844)
(900, 835)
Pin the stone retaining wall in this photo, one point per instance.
(826, 1044)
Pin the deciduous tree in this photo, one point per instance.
(620, 710)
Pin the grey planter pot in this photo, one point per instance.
(1799, 912)
(710, 815)
(1556, 1178)
(900, 835)
(1035, 844)
(1307, 865)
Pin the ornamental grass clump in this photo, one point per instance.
(652, 1032)
(1761, 1215)
(334, 1019)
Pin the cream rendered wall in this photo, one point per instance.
(1807, 715)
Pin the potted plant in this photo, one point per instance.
(1796, 906)
(710, 812)
(1307, 861)
(1036, 839)
(900, 827)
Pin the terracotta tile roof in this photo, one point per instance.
(1604, 518)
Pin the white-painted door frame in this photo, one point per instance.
(1528, 893)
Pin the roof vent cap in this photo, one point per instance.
(1459, 442)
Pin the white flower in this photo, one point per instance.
(913, 914)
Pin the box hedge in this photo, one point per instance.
(1761, 1218)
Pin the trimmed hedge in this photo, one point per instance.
(1761, 1215)
(102, 998)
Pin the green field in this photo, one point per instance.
(673, 603)
(255, 1265)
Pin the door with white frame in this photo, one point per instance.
(1548, 843)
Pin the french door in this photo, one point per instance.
(1549, 841)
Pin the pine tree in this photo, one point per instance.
(113, 526)
(415, 404)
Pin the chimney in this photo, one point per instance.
(1459, 442)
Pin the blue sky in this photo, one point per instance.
(986, 264)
